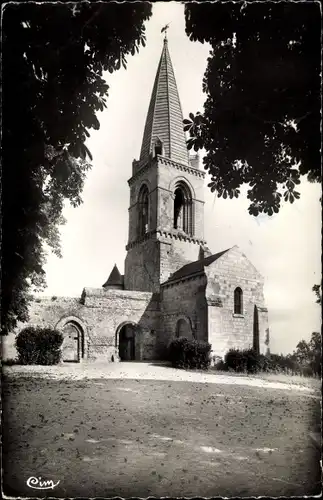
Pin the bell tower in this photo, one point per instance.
(166, 212)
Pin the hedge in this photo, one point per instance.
(39, 346)
(187, 353)
(247, 360)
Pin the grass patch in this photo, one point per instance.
(312, 382)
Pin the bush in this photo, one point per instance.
(185, 353)
(247, 361)
(283, 364)
(39, 346)
(221, 366)
(10, 362)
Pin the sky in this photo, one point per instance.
(285, 248)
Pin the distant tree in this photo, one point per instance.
(317, 290)
(309, 354)
(53, 58)
(261, 118)
(302, 353)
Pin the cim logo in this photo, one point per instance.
(37, 483)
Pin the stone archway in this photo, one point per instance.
(184, 328)
(73, 342)
(127, 341)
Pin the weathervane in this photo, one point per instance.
(165, 28)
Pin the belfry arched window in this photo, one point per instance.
(143, 211)
(183, 208)
(238, 301)
(158, 147)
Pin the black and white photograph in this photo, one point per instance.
(161, 277)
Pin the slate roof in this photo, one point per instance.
(114, 279)
(195, 267)
(165, 118)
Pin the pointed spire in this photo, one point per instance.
(165, 118)
(115, 279)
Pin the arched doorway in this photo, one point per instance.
(183, 328)
(73, 342)
(127, 342)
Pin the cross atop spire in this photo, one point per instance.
(165, 118)
(164, 29)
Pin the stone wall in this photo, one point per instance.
(226, 329)
(147, 176)
(184, 299)
(44, 312)
(100, 316)
(142, 266)
(175, 252)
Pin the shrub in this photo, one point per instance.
(10, 362)
(283, 364)
(247, 361)
(221, 366)
(185, 353)
(39, 346)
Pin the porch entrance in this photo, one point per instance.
(127, 342)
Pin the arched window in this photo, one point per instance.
(143, 211)
(183, 218)
(183, 329)
(238, 305)
(158, 147)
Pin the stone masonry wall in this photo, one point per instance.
(184, 299)
(149, 178)
(142, 266)
(175, 252)
(45, 312)
(100, 318)
(226, 329)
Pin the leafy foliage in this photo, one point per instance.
(186, 353)
(280, 363)
(309, 354)
(39, 346)
(317, 290)
(261, 119)
(53, 58)
(247, 360)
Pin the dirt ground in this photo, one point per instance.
(109, 437)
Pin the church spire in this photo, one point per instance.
(164, 122)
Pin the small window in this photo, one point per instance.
(158, 147)
(238, 305)
(143, 211)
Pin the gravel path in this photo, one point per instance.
(142, 371)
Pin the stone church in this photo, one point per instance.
(172, 284)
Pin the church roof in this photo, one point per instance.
(195, 267)
(164, 120)
(115, 278)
